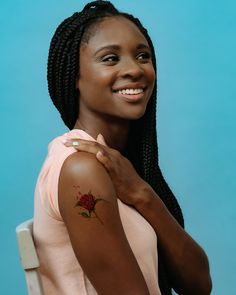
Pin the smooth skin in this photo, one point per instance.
(102, 249)
(112, 61)
(186, 261)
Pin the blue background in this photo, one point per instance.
(195, 44)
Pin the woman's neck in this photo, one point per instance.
(114, 133)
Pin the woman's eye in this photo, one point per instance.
(144, 56)
(110, 59)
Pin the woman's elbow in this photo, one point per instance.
(205, 282)
(206, 285)
(202, 284)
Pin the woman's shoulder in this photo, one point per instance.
(83, 167)
(61, 163)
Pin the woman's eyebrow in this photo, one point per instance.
(143, 46)
(110, 47)
(117, 47)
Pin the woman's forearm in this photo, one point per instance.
(187, 263)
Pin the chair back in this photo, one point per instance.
(29, 258)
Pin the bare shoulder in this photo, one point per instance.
(81, 163)
(82, 173)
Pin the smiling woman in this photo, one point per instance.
(105, 221)
(116, 76)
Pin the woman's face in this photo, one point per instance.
(116, 72)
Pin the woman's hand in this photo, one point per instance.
(126, 180)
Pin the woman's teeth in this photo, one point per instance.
(130, 91)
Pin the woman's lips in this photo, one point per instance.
(130, 97)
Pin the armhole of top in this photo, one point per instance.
(48, 181)
(54, 183)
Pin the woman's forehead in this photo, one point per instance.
(115, 29)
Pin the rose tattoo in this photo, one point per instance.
(88, 202)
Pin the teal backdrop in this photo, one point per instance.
(196, 57)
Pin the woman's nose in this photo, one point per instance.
(131, 69)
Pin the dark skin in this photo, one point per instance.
(102, 111)
(128, 65)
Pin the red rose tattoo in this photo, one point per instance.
(88, 202)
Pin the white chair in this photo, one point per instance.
(29, 257)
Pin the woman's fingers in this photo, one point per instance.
(92, 147)
(87, 146)
(104, 159)
(83, 145)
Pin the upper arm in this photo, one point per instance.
(97, 237)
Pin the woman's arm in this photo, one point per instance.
(97, 237)
(186, 262)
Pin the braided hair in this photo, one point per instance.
(141, 149)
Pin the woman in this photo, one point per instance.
(104, 216)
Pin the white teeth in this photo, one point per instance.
(130, 91)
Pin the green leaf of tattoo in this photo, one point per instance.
(97, 200)
(84, 214)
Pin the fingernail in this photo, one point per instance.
(67, 142)
(64, 140)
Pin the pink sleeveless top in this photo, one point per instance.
(59, 268)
